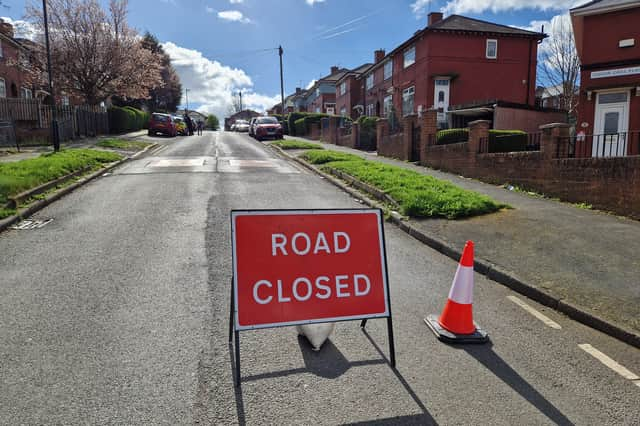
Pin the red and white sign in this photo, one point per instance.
(303, 266)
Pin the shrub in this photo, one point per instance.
(507, 140)
(127, 119)
(300, 127)
(445, 137)
(323, 157)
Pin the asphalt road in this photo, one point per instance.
(116, 312)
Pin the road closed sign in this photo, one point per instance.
(304, 266)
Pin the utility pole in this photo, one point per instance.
(186, 91)
(240, 93)
(55, 136)
(281, 80)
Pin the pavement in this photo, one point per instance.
(116, 312)
(10, 155)
(585, 259)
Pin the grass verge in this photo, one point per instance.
(296, 144)
(19, 176)
(418, 195)
(123, 144)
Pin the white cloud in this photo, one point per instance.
(234, 16)
(311, 83)
(495, 6)
(312, 2)
(22, 29)
(212, 84)
(419, 7)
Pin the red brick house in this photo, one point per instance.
(350, 93)
(12, 56)
(455, 61)
(607, 35)
(322, 95)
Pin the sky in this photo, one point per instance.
(221, 47)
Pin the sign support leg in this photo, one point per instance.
(363, 324)
(231, 313)
(237, 338)
(392, 345)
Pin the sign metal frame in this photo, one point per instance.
(235, 328)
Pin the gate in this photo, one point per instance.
(415, 142)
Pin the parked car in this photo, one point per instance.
(181, 126)
(162, 123)
(251, 126)
(267, 128)
(242, 126)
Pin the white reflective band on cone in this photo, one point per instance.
(462, 288)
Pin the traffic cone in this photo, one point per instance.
(455, 324)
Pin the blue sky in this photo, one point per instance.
(221, 46)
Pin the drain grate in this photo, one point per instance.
(31, 224)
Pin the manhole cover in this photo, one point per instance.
(31, 224)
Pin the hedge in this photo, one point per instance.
(507, 141)
(449, 136)
(300, 127)
(127, 119)
(310, 117)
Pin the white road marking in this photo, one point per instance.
(621, 370)
(545, 319)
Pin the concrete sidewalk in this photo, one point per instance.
(36, 151)
(584, 258)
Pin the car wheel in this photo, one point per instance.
(149, 133)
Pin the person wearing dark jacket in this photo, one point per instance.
(189, 122)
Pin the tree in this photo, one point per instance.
(95, 54)
(212, 122)
(559, 64)
(168, 94)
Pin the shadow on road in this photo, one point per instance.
(494, 363)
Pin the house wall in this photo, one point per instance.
(351, 98)
(600, 51)
(9, 70)
(375, 95)
(523, 119)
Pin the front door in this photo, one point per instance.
(441, 98)
(611, 125)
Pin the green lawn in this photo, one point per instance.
(123, 144)
(296, 144)
(418, 195)
(19, 176)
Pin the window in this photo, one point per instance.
(3, 88)
(370, 110)
(388, 69)
(410, 56)
(612, 98)
(387, 105)
(343, 88)
(65, 101)
(1, 53)
(26, 93)
(492, 49)
(407, 100)
(369, 82)
(611, 120)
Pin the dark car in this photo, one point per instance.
(162, 123)
(267, 128)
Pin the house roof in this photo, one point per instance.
(458, 23)
(356, 71)
(603, 6)
(332, 78)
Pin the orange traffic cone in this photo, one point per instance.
(456, 324)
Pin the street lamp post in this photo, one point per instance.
(55, 136)
(186, 91)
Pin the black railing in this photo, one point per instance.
(599, 146)
(8, 134)
(516, 142)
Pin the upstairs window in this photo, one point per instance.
(26, 93)
(369, 82)
(3, 88)
(492, 49)
(388, 69)
(343, 88)
(410, 56)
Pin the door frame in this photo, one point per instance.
(598, 120)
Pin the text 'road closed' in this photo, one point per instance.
(293, 267)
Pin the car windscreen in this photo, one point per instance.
(267, 120)
(161, 118)
(242, 122)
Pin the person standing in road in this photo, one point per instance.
(200, 127)
(189, 122)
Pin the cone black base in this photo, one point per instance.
(444, 335)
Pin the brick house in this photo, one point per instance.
(607, 37)
(321, 97)
(454, 61)
(350, 92)
(13, 54)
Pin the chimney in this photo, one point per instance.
(378, 55)
(6, 29)
(298, 90)
(434, 17)
(334, 69)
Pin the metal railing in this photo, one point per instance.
(517, 142)
(18, 109)
(599, 146)
(8, 135)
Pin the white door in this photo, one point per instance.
(611, 125)
(441, 98)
